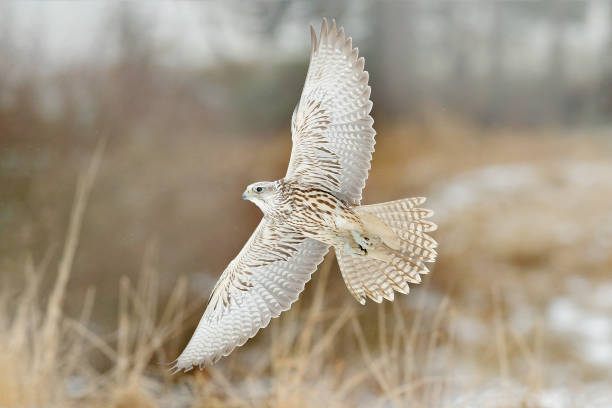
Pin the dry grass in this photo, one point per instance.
(485, 329)
(46, 354)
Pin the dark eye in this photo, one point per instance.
(259, 189)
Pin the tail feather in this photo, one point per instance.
(396, 205)
(418, 226)
(417, 237)
(418, 246)
(377, 277)
(367, 277)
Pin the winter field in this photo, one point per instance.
(515, 313)
(128, 133)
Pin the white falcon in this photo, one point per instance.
(380, 248)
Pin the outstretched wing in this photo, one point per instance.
(332, 133)
(261, 282)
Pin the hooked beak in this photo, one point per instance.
(245, 196)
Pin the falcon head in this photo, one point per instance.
(263, 194)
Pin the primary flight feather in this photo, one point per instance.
(380, 248)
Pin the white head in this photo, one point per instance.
(264, 194)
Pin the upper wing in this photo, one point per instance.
(332, 133)
(261, 282)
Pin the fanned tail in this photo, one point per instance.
(400, 257)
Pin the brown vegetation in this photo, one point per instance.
(484, 321)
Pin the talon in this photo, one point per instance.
(355, 249)
(363, 242)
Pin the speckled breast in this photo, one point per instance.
(320, 215)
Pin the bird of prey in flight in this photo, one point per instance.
(380, 248)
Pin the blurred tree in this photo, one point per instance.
(393, 57)
(556, 80)
(496, 78)
(457, 41)
(606, 88)
(271, 15)
(136, 56)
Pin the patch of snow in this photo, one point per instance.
(469, 330)
(563, 314)
(491, 181)
(76, 386)
(553, 398)
(498, 182)
(588, 329)
(505, 393)
(598, 352)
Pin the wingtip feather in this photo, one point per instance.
(323, 35)
(313, 39)
(360, 63)
(348, 46)
(332, 28)
(331, 42)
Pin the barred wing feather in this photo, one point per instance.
(264, 280)
(332, 133)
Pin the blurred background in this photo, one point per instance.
(499, 112)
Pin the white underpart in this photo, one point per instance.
(332, 122)
(333, 141)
